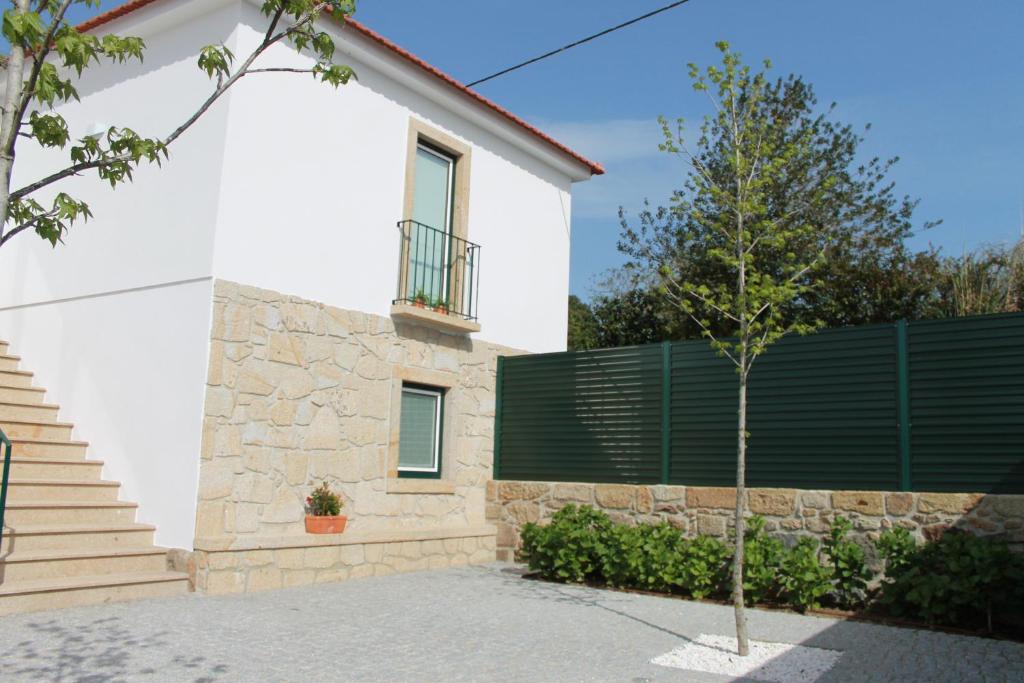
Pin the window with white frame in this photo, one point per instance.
(419, 436)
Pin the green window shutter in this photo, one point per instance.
(419, 438)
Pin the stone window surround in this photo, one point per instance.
(421, 132)
(461, 152)
(448, 381)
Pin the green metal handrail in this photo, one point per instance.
(5, 443)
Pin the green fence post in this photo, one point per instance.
(499, 382)
(903, 403)
(666, 409)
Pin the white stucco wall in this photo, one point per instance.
(311, 210)
(285, 184)
(115, 323)
(129, 370)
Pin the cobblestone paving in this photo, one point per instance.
(472, 624)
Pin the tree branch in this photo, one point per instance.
(39, 58)
(221, 88)
(26, 225)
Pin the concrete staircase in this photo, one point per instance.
(67, 540)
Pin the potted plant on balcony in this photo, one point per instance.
(440, 306)
(322, 512)
(420, 299)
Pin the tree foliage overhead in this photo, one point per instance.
(48, 56)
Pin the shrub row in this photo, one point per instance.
(958, 580)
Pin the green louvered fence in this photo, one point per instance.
(927, 406)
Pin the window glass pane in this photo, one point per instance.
(417, 440)
(431, 193)
(430, 209)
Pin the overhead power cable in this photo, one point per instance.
(579, 42)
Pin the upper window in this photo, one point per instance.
(419, 436)
(432, 188)
(430, 246)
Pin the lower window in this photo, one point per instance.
(419, 436)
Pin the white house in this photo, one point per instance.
(315, 287)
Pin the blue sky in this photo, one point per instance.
(941, 82)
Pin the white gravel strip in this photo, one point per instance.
(765, 662)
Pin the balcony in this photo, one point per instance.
(438, 279)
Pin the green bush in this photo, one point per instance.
(897, 548)
(804, 579)
(619, 555)
(706, 567)
(661, 552)
(960, 579)
(850, 572)
(762, 560)
(570, 547)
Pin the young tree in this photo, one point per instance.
(768, 258)
(48, 55)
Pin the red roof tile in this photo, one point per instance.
(594, 167)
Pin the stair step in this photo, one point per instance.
(56, 468)
(49, 448)
(64, 537)
(61, 489)
(15, 379)
(9, 362)
(43, 412)
(51, 513)
(32, 395)
(55, 564)
(29, 596)
(36, 429)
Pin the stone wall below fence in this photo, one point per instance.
(789, 512)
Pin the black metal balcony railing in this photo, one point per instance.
(438, 271)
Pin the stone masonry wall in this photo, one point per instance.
(792, 512)
(299, 392)
(237, 571)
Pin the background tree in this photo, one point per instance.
(582, 334)
(988, 280)
(762, 259)
(48, 55)
(631, 318)
(871, 275)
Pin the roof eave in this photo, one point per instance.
(586, 165)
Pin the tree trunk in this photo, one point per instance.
(742, 644)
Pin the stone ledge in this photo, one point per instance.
(237, 543)
(429, 318)
(435, 486)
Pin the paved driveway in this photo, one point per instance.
(473, 624)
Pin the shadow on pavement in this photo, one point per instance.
(104, 651)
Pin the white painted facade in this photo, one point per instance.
(116, 322)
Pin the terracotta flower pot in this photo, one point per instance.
(325, 524)
(419, 304)
(442, 309)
